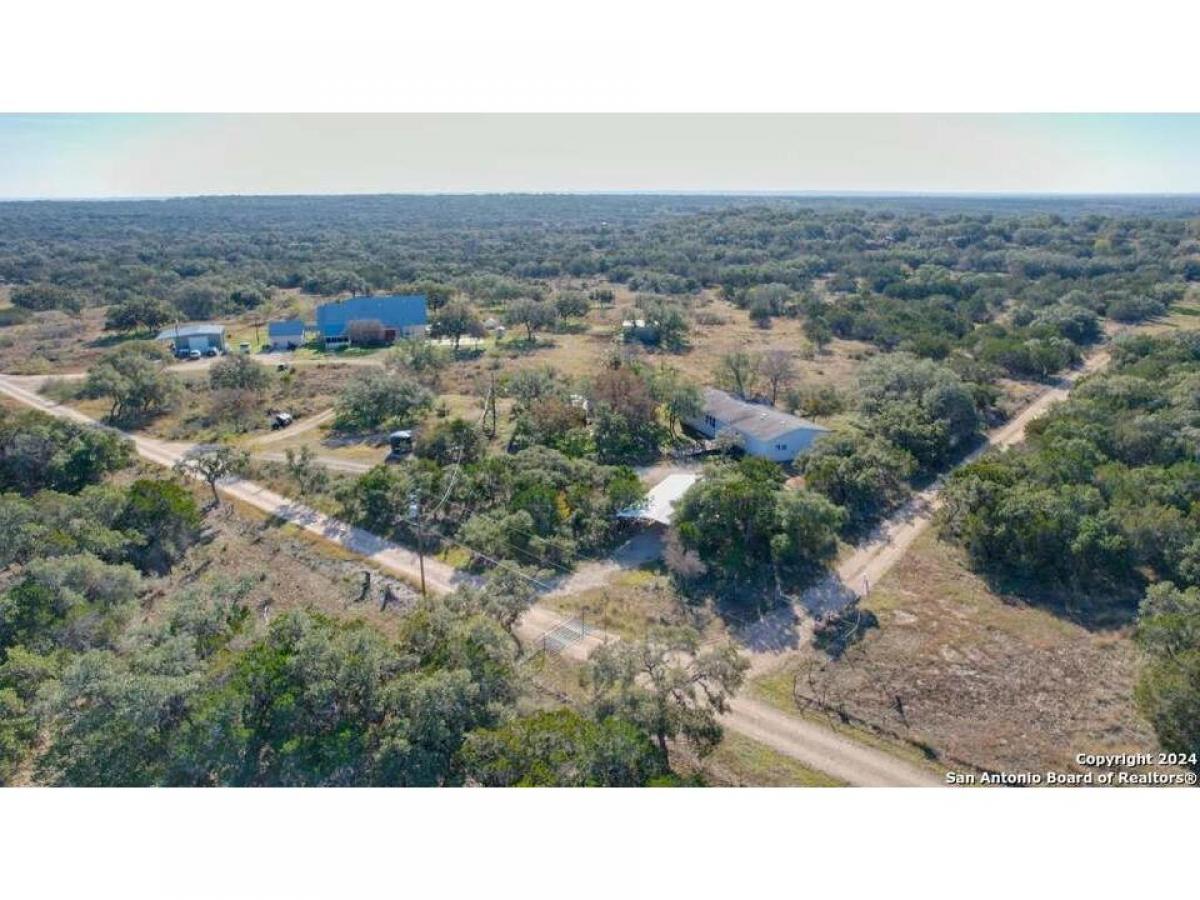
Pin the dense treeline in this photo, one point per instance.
(953, 260)
(1104, 494)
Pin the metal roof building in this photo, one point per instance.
(286, 333)
(288, 328)
(195, 336)
(192, 329)
(404, 315)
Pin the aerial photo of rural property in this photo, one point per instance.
(551, 488)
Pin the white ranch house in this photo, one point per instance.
(765, 431)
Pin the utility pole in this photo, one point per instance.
(489, 406)
(415, 511)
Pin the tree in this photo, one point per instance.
(684, 564)
(365, 332)
(760, 313)
(667, 686)
(817, 330)
(553, 422)
(738, 372)
(22, 675)
(919, 405)
(625, 416)
(309, 475)
(133, 377)
(138, 313)
(668, 322)
(454, 441)
(532, 315)
(680, 397)
(201, 299)
(238, 373)
(166, 520)
(560, 748)
(777, 370)
(114, 724)
(742, 521)
(38, 453)
(456, 320)
(806, 528)
(527, 385)
(212, 463)
(864, 475)
(507, 595)
(766, 300)
(77, 602)
(571, 304)
(377, 397)
(1168, 688)
(53, 524)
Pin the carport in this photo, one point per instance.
(659, 503)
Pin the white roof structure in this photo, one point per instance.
(753, 419)
(660, 501)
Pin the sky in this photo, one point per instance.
(73, 156)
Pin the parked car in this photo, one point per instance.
(212, 351)
(194, 354)
(281, 420)
(244, 347)
(401, 443)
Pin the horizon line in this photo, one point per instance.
(620, 192)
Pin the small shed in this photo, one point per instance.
(659, 503)
(285, 335)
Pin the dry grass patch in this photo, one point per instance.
(740, 761)
(632, 603)
(978, 677)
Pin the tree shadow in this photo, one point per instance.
(838, 631)
(1101, 609)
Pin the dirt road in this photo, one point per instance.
(301, 427)
(854, 575)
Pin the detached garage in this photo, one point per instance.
(200, 336)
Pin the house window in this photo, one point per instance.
(781, 446)
(712, 422)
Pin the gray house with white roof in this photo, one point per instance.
(764, 431)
